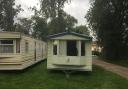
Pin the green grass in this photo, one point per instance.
(119, 62)
(38, 77)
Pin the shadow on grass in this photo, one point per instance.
(70, 73)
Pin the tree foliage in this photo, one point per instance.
(109, 19)
(59, 24)
(52, 8)
(82, 29)
(59, 20)
(7, 14)
(40, 29)
(25, 26)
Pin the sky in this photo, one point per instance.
(77, 8)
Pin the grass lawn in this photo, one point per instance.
(37, 77)
(119, 62)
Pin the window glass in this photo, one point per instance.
(54, 49)
(82, 48)
(6, 46)
(6, 41)
(72, 48)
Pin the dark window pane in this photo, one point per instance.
(54, 49)
(6, 41)
(82, 48)
(71, 48)
(26, 47)
(6, 49)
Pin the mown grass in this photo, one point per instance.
(119, 62)
(38, 77)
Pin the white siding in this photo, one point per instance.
(62, 61)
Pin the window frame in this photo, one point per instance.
(13, 45)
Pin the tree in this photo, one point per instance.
(7, 14)
(25, 26)
(59, 24)
(82, 29)
(39, 27)
(59, 20)
(52, 8)
(109, 19)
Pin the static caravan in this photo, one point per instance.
(69, 51)
(18, 51)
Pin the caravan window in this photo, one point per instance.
(6, 41)
(55, 47)
(82, 48)
(72, 48)
(26, 47)
(6, 46)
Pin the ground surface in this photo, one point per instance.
(120, 70)
(118, 62)
(37, 77)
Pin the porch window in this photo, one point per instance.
(6, 46)
(55, 48)
(82, 48)
(72, 48)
